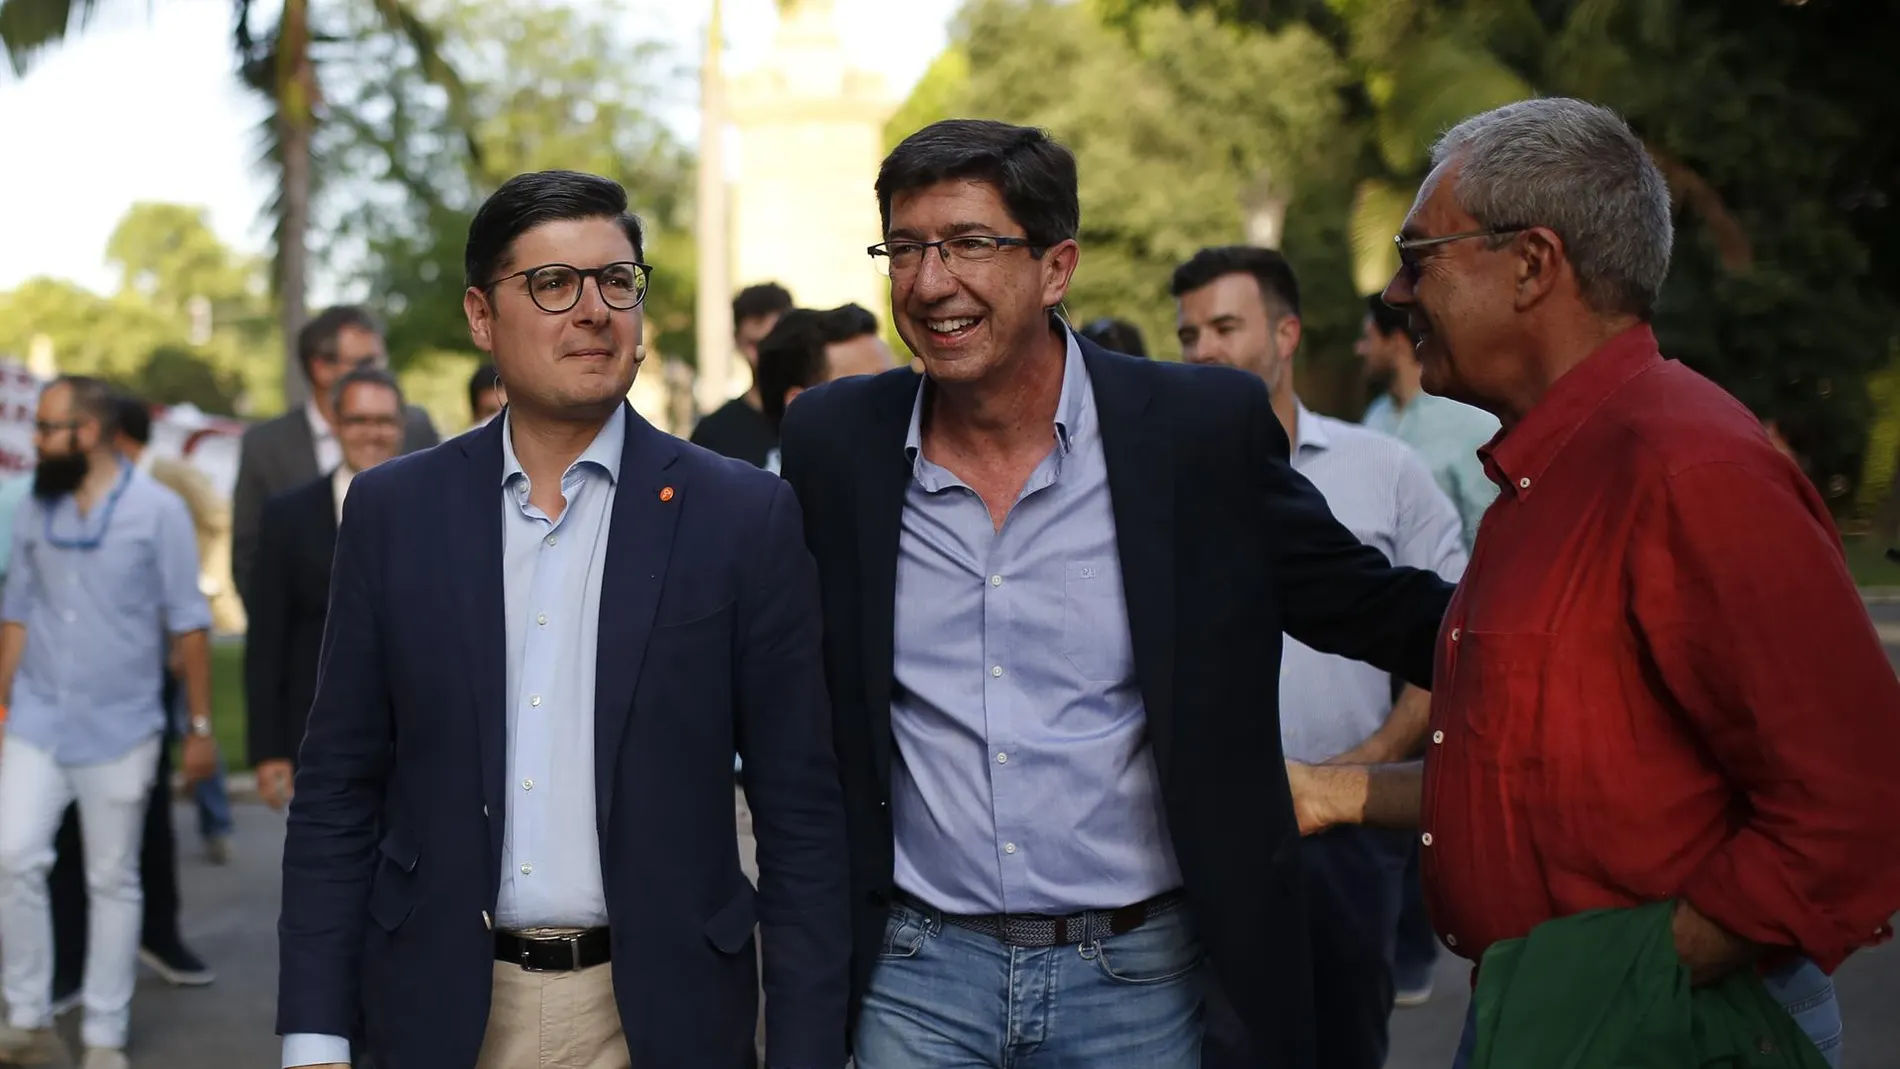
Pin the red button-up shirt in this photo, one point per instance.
(1657, 680)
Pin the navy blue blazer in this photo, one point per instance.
(709, 642)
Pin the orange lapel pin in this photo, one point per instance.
(666, 493)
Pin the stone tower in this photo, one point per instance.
(810, 137)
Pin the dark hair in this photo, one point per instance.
(361, 376)
(318, 337)
(793, 354)
(486, 378)
(529, 200)
(1031, 171)
(93, 398)
(134, 418)
(1116, 335)
(1278, 288)
(1386, 319)
(759, 301)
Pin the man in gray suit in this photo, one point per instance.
(301, 444)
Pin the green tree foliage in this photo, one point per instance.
(1778, 130)
(1178, 127)
(189, 323)
(550, 87)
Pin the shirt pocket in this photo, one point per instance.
(1497, 688)
(1095, 621)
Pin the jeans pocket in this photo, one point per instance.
(904, 933)
(1162, 950)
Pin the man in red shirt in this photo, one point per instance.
(1657, 680)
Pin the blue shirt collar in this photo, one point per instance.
(603, 452)
(1069, 404)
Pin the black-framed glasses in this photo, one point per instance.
(894, 258)
(1410, 247)
(556, 288)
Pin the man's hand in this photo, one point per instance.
(274, 782)
(1315, 796)
(1709, 950)
(200, 761)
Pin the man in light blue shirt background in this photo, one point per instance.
(1446, 433)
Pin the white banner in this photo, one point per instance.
(19, 398)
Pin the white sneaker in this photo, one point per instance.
(105, 1058)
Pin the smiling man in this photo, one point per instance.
(513, 842)
(1055, 580)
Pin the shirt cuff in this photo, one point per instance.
(308, 1048)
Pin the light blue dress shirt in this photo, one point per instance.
(1024, 781)
(551, 576)
(98, 595)
(1447, 434)
(1380, 489)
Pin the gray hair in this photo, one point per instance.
(1578, 169)
(364, 376)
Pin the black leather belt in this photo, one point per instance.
(1034, 930)
(555, 953)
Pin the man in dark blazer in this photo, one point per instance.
(290, 583)
(285, 453)
(513, 841)
(1055, 584)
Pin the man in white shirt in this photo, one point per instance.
(1240, 306)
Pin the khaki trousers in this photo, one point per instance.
(553, 1020)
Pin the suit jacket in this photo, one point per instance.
(709, 641)
(281, 454)
(1223, 547)
(290, 595)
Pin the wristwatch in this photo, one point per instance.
(201, 726)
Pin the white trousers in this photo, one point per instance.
(34, 792)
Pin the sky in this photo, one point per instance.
(144, 106)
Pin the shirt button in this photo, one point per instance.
(1438, 737)
(527, 785)
(1455, 632)
(1009, 848)
(541, 619)
(1523, 484)
(1002, 759)
(484, 811)
(487, 921)
(552, 539)
(527, 870)
(1426, 838)
(996, 580)
(996, 670)
(1451, 940)
(534, 699)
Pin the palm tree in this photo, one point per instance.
(280, 66)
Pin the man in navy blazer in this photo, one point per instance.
(513, 838)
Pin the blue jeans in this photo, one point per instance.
(1801, 987)
(213, 800)
(945, 997)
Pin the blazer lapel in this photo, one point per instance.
(639, 546)
(1140, 457)
(881, 486)
(475, 518)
